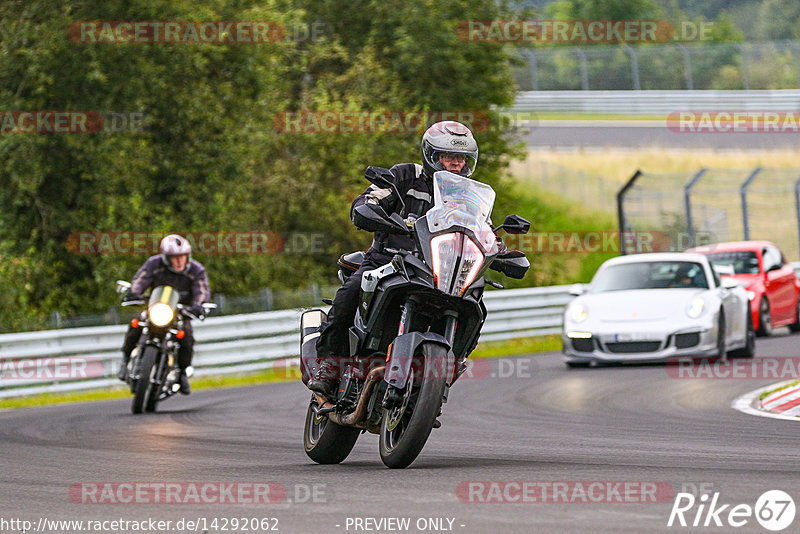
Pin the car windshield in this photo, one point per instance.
(742, 261)
(650, 275)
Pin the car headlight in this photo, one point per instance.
(578, 313)
(695, 308)
(751, 295)
(160, 314)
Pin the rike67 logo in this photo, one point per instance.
(774, 510)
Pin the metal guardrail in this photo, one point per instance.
(239, 343)
(655, 102)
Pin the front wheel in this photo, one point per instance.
(325, 441)
(142, 389)
(749, 349)
(405, 428)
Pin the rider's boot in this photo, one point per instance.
(326, 378)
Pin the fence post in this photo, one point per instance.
(584, 71)
(266, 299)
(745, 66)
(634, 67)
(534, 66)
(743, 192)
(623, 224)
(687, 60)
(687, 200)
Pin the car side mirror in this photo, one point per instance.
(729, 283)
(514, 224)
(577, 289)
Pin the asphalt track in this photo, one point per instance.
(534, 421)
(646, 134)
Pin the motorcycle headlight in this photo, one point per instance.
(695, 308)
(161, 314)
(578, 313)
(471, 261)
(444, 252)
(451, 271)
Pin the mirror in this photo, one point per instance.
(577, 289)
(514, 224)
(729, 283)
(379, 176)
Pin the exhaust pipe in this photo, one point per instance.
(358, 415)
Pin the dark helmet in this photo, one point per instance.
(175, 245)
(448, 137)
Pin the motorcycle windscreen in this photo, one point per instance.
(162, 305)
(166, 295)
(459, 201)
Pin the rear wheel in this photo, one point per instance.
(325, 441)
(142, 389)
(405, 428)
(764, 318)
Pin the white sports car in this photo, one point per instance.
(655, 307)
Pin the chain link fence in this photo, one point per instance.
(681, 210)
(587, 188)
(762, 65)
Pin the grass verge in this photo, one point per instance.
(494, 349)
(770, 392)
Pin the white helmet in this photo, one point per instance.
(448, 137)
(175, 245)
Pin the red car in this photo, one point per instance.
(771, 282)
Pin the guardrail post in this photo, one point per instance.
(687, 200)
(623, 224)
(687, 61)
(743, 192)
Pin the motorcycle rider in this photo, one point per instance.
(446, 145)
(174, 267)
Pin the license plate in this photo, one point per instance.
(621, 338)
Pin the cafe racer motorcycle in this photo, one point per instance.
(153, 371)
(419, 317)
